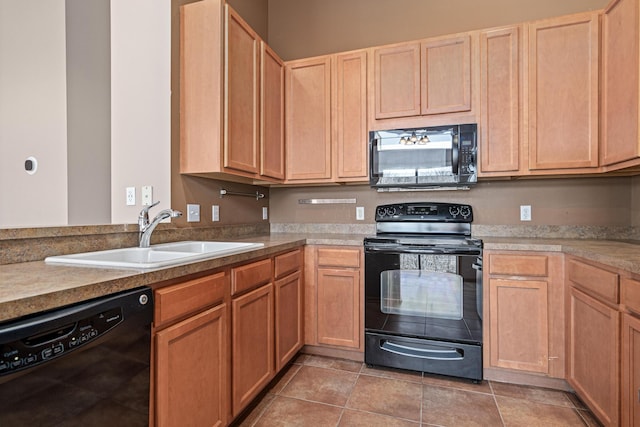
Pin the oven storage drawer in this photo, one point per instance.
(445, 358)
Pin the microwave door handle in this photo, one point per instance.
(455, 157)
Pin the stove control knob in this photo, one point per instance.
(454, 211)
(465, 211)
(390, 211)
(380, 212)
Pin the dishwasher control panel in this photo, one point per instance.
(44, 346)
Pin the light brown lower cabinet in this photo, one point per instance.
(594, 339)
(524, 315)
(220, 339)
(252, 348)
(192, 389)
(630, 370)
(289, 300)
(333, 297)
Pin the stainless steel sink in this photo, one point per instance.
(154, 256)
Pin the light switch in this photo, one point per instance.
(215, 213)
(360, 213)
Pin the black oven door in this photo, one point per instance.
(421, 311)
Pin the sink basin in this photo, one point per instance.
(155, 256)
(205, 247)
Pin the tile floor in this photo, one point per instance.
(320, 391)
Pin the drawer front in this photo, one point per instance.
(595, 281)
(250, 276)
(287, 263)
(334, 257)
(179, 300)
(519, 265)
(630, 290)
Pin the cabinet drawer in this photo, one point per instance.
(333, 257)
(287, 263)
(630, 290)
(250, 276)
(177, 301)
(595, 281)
(518, 265)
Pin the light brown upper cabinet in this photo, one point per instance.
(397, 81)
(241, 105)
(308, 119)
(432, 77)
(272, 110)
(620, 146)
(226, 126)
(501, 102)
(326, 119)
(563, 94)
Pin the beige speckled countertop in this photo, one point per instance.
(624, 255)
(30, 287)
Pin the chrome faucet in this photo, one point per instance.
(146, 227)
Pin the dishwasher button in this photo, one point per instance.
(58, 349)
(47, 353)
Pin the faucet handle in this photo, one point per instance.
(144, 213)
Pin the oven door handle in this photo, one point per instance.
(420, 250)
(444, 353)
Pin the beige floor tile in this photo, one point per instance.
(256, 412)
(385, 396)
(299, 360)
(463, 384)
(352, 418)
(321, 385)
(288, 412)
(285, 379)
(328, 362)
(446, 406)
(535, 394)
(399, 374)
(520, 412)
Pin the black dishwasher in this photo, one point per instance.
(85, 364)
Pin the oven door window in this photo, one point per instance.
(426, 286)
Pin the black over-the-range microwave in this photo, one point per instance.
(439, 156)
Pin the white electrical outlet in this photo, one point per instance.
(265, 212)
(147, 195)
(360, 213)
(131, 196)
(193, 213)
(525, 213)
(215, 213)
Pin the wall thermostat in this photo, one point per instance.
(31, 165)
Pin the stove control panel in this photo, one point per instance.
(425, 212)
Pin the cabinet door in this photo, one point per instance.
(201, 99)
(338, 307)
(192, 363)
(620, 61)
(500, 96)
(350, 117)
(397, 81)
(252, 345)
(563, 92)
(241, 98)
(630, 371)
(594, 350)
(308, 120)
(289, 318)
(446, 75)
(519, 324)
(272, 114)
